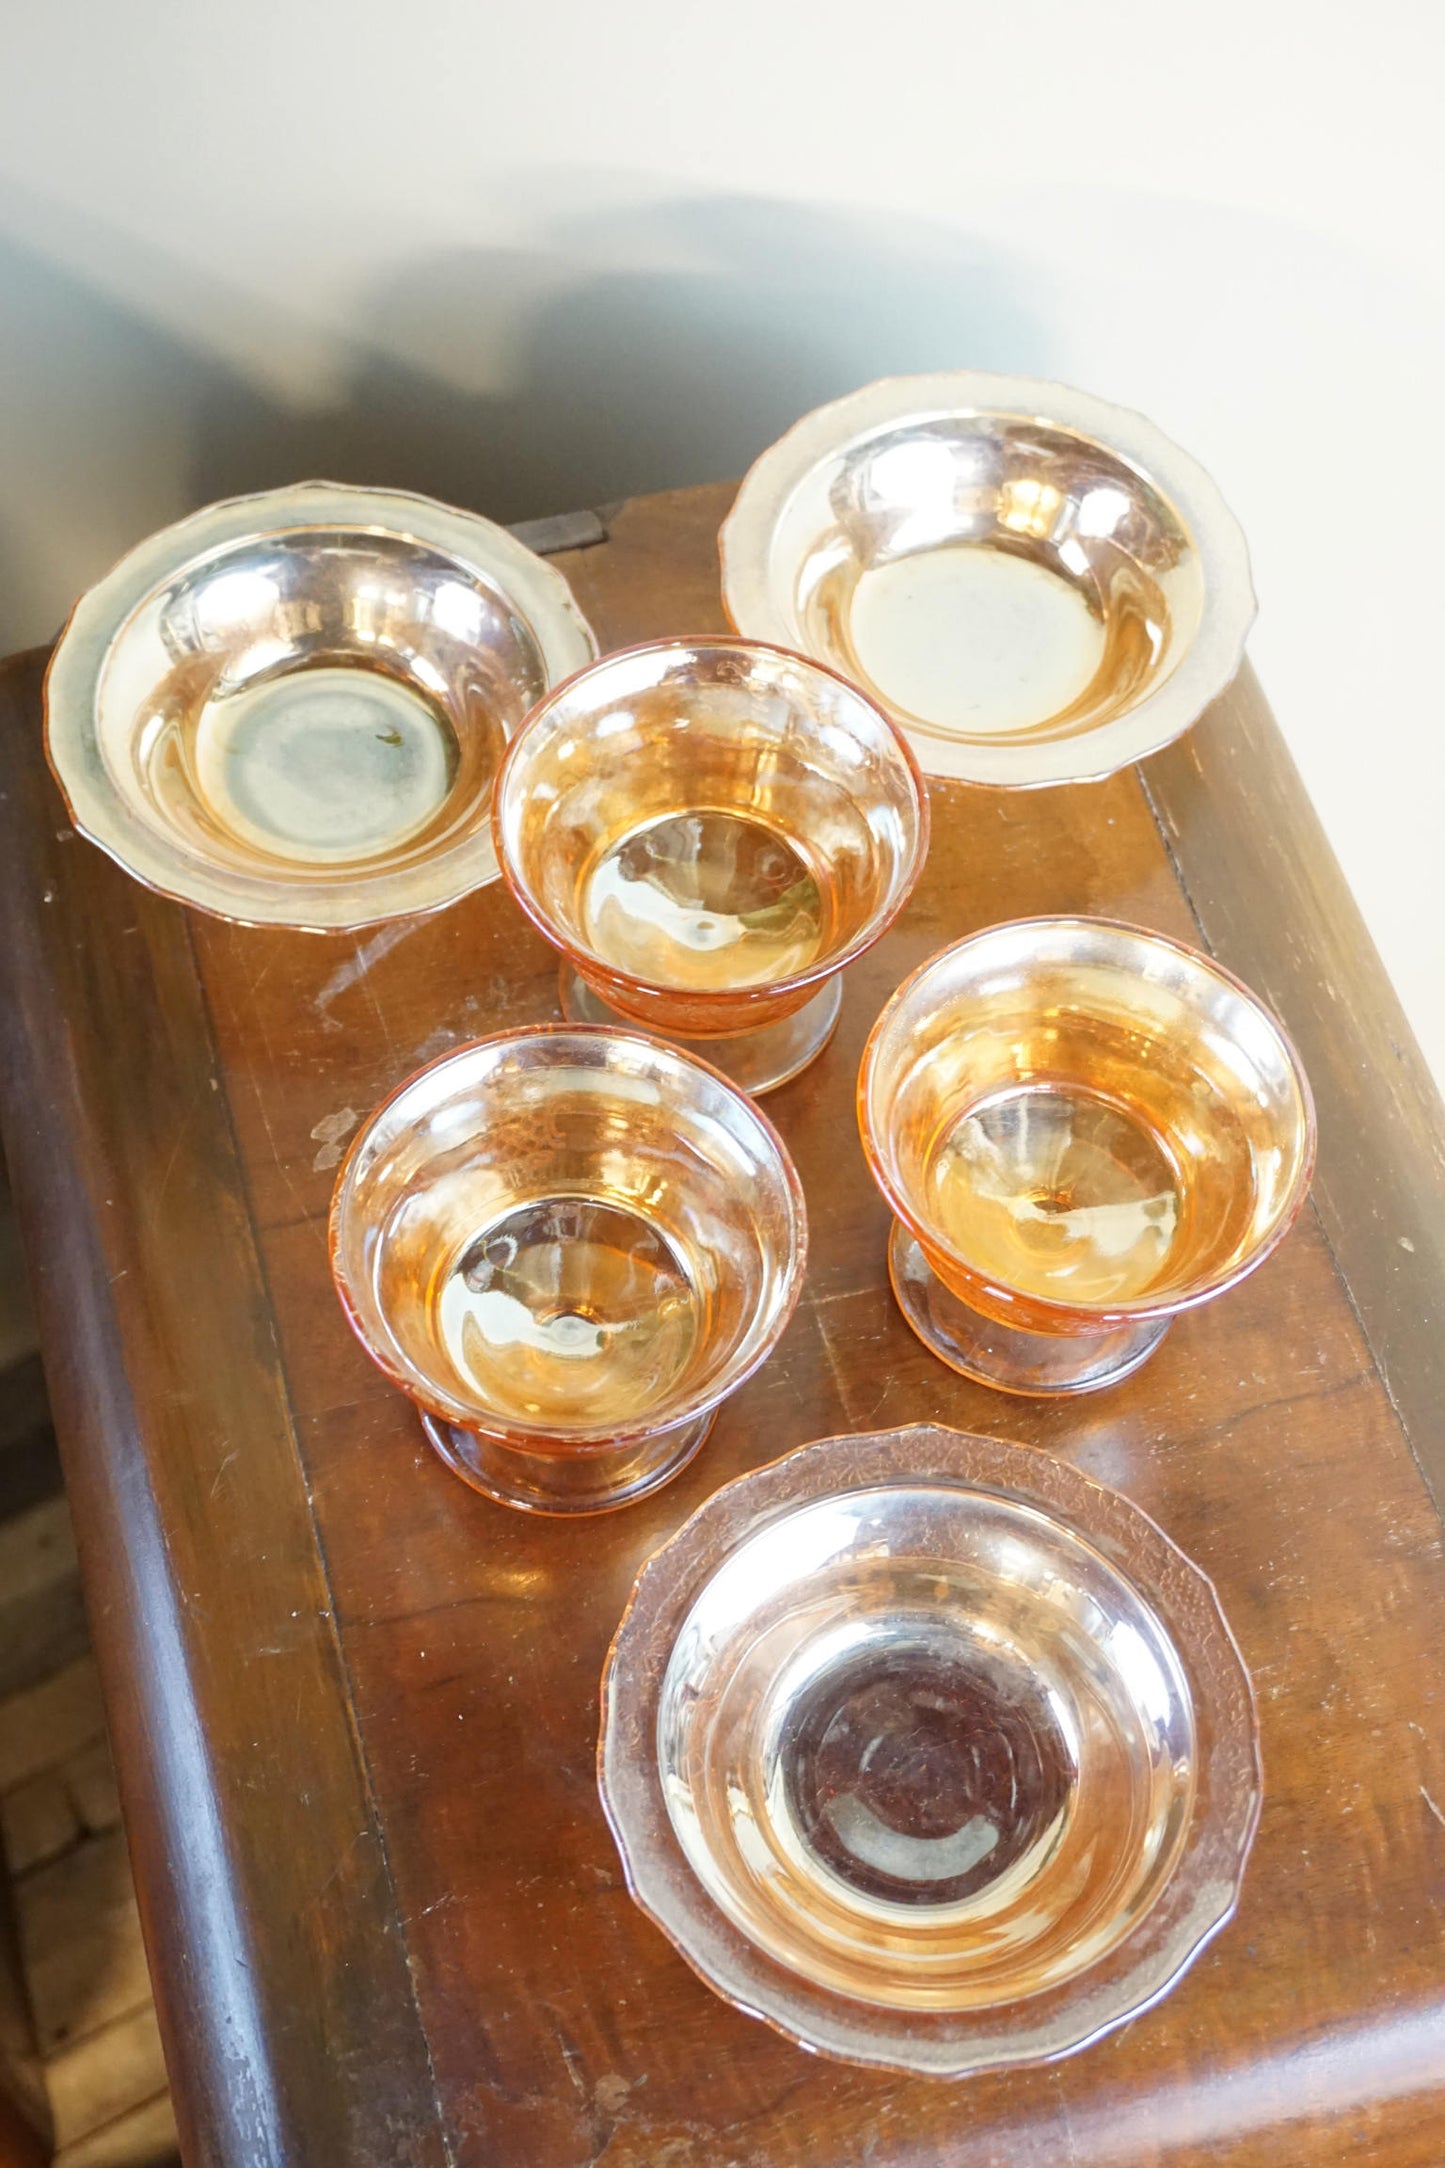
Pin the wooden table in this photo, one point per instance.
(354, 1705)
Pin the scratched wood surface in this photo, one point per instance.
(355, 1705)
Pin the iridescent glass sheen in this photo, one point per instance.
(289, 708)
(1039, 586)
(568, 1245)
(709, 831)
(930, 1751)
(1083, 1128)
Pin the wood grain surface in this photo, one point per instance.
(355, 1704)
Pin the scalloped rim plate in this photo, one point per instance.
(1193, 1905)
(536, 590)
(757, 592)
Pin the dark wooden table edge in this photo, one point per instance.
(249, 2083)
(241, 2104)
(1282, 917)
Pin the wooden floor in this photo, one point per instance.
(83, 1963)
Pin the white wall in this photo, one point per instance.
(533, 256)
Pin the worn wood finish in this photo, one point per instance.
(464, 1643)
(1270, 900)
(280, 1972)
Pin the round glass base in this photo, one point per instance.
(1000, 1355)
(591, 1481)
(756, 1061)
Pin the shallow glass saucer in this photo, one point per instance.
(929, 1751)
(289, 708)
(1039, 586)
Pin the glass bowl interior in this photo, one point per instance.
(1038, 585)
(710, 816)
(1086, 1115)
(570, 1234)
(316, 699)
(291, 707)
(926, 1746)
(929, 1750)
(991, 576)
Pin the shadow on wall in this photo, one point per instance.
(626, 350)
(617, 378)
(97, 435)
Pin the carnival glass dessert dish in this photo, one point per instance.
(1039, 587)
(709, 831)
(289, 708)
(929, 1751)
(1082, 1129)
(568, 1246)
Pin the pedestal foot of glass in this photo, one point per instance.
(1000, 1355)
(756, 1061)
(580, 1480)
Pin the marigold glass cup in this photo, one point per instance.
(569, 1246)
(1082, 1129)
(709, 831)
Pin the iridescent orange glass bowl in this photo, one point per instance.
(709, 831)
(930, 1751)
(1083, 1129)
(568, 1245)
(288, 709)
